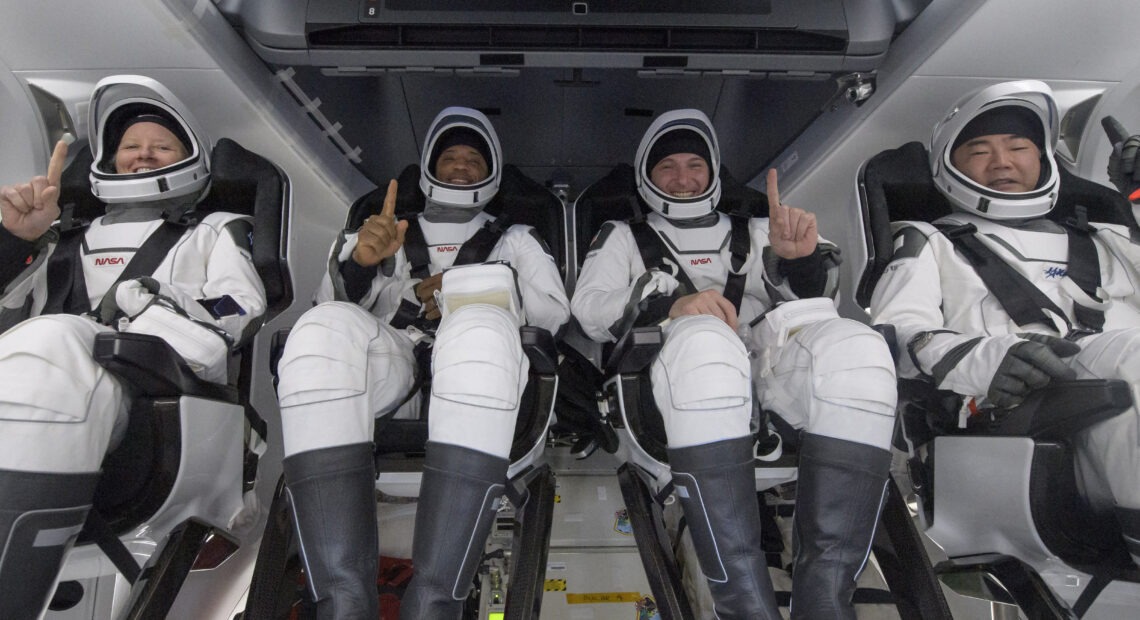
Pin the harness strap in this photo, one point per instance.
(67, 286)
(1084, 269)
(1024, 302)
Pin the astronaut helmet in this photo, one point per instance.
(452, 126)
(1025, 108)
(678, 131)
(117, 103)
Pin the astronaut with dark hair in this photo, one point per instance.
(351, 359)
(60, 411)
(747, 313)
(992, 157)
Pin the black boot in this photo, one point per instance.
(838, 497)
(459, 496)
(332, 491)
(40, 518)
(716, 484)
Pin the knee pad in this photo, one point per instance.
(478, 359)
(702, 382)
(48, 372)
(327, 354)
(851, 392)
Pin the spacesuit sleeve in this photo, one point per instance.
(23, 278)
(15, 256)
(390, 281)
(614, 285)
(816, 275)
(543, 293)
(229, 273)
(909, 297)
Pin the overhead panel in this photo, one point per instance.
(713, 35)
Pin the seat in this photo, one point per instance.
(399, 443)
(176, 480)
(1033, 512)
(629, 413)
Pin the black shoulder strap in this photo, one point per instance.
(478, 247)
(474, 250)
(1023, 302)
(1084, 269)
(152, 252)
(739, 246)
(415, 249)
(653, 252)
(67, 287)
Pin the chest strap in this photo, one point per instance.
(475, 250)
(654, 251)
(67, 286)
(1021, 299)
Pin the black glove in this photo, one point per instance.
(1122, 168)
(1030, 365)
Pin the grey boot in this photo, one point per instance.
(840, 491)
(40, 518)
(459, 497)
(717, 487)
(332, 491)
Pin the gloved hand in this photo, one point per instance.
(1030, 365)
(1122, 168)
(1005, 368)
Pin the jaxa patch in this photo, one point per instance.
(647, 609)
(621, 523)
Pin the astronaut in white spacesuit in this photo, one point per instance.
(350, 359)
(833, 378)
(992, 157)
(60, 411)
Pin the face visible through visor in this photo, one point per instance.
(147, 147)
(461, 164)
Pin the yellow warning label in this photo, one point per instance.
(592, 598)
(554, 585)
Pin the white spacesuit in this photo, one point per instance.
(350, 359)
(831, 377)
(60, 411)
(952, 329)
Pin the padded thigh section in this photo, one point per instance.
(327, 354)
(47, 369)
(852, 366)
(705, 365)
(477, 358)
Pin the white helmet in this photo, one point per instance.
(461, 126)
(704, 143)
(115, 102)
(1030, 95)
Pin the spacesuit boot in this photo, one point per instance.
(332, 491)
(838, 497)
(40, 517)
(717, 487)
(459, 496)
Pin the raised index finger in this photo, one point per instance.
(55, 166)
(777, 213)
(390, 200)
